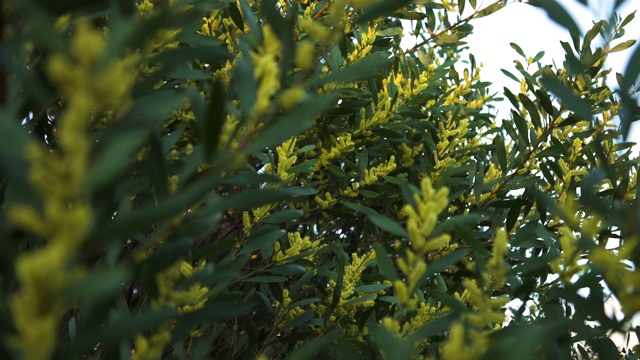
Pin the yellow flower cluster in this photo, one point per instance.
(471, 341)
(267, 72)
(371, 176)
(494, 277)
(58, 178)
(364, 46)
(350, 300)
(328, 200)
(380, 113)
(421, 221)
(451, 134)
(352, 274)
(566, 265)
(297, 245)
(286, 159)
(409, 153)
(152, 346)
(619, 274)
(339, 145)
(286, 312)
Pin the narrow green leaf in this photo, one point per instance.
(387, 224)
(576, 104)
(255, 243)
(627, 19)
(387, 269)
(293, 122)
(363, 69)
(514, 213)
(521, 124)
(310, 349)
(501, 153)
(538, 56)
(510, 75)
(490, 9)
(545, 101)
(266, 279)
(532, 110)
(381, 8)
(283, 216)
(518, 49)
(236, 16)
(623, 46)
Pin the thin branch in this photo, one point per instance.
(449, 28)
(324, 8)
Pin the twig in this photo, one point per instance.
(449, 28)
(324, 8)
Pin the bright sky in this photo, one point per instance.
(533, 31)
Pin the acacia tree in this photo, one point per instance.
(270, 179)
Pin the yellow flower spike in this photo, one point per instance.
(438, 243)
(453, 348)
(402, 293)
(418, 270)
(291, 97)
(391, 325)
(87, 44)
(305, 55)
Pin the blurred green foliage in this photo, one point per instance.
(203, 179)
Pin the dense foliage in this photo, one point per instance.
(223, 179)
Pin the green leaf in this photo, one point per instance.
(371, 288)
(113, 161)
(390, 344)
(359, 208)
(255, 243)
(13, 144)
(490, 9)
(266, 279)
(545, 101)
(627, 19)
(532, 110)
(622, 46)
(210, 125)
(576, 104)
(304, 167)
(288, 270)
(293, 122)
(514, 213)
(538, 56)
(100, 284)
(363, 69)
(590, 35)
(309, 349)
(157, 107)
(517, 48)
(381, 8)
(510, 75)
(236, 16)
(501, 153)
(283, 216)
(387, 224)
(387, 269)
(521, 124)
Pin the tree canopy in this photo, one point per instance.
(197, 179)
